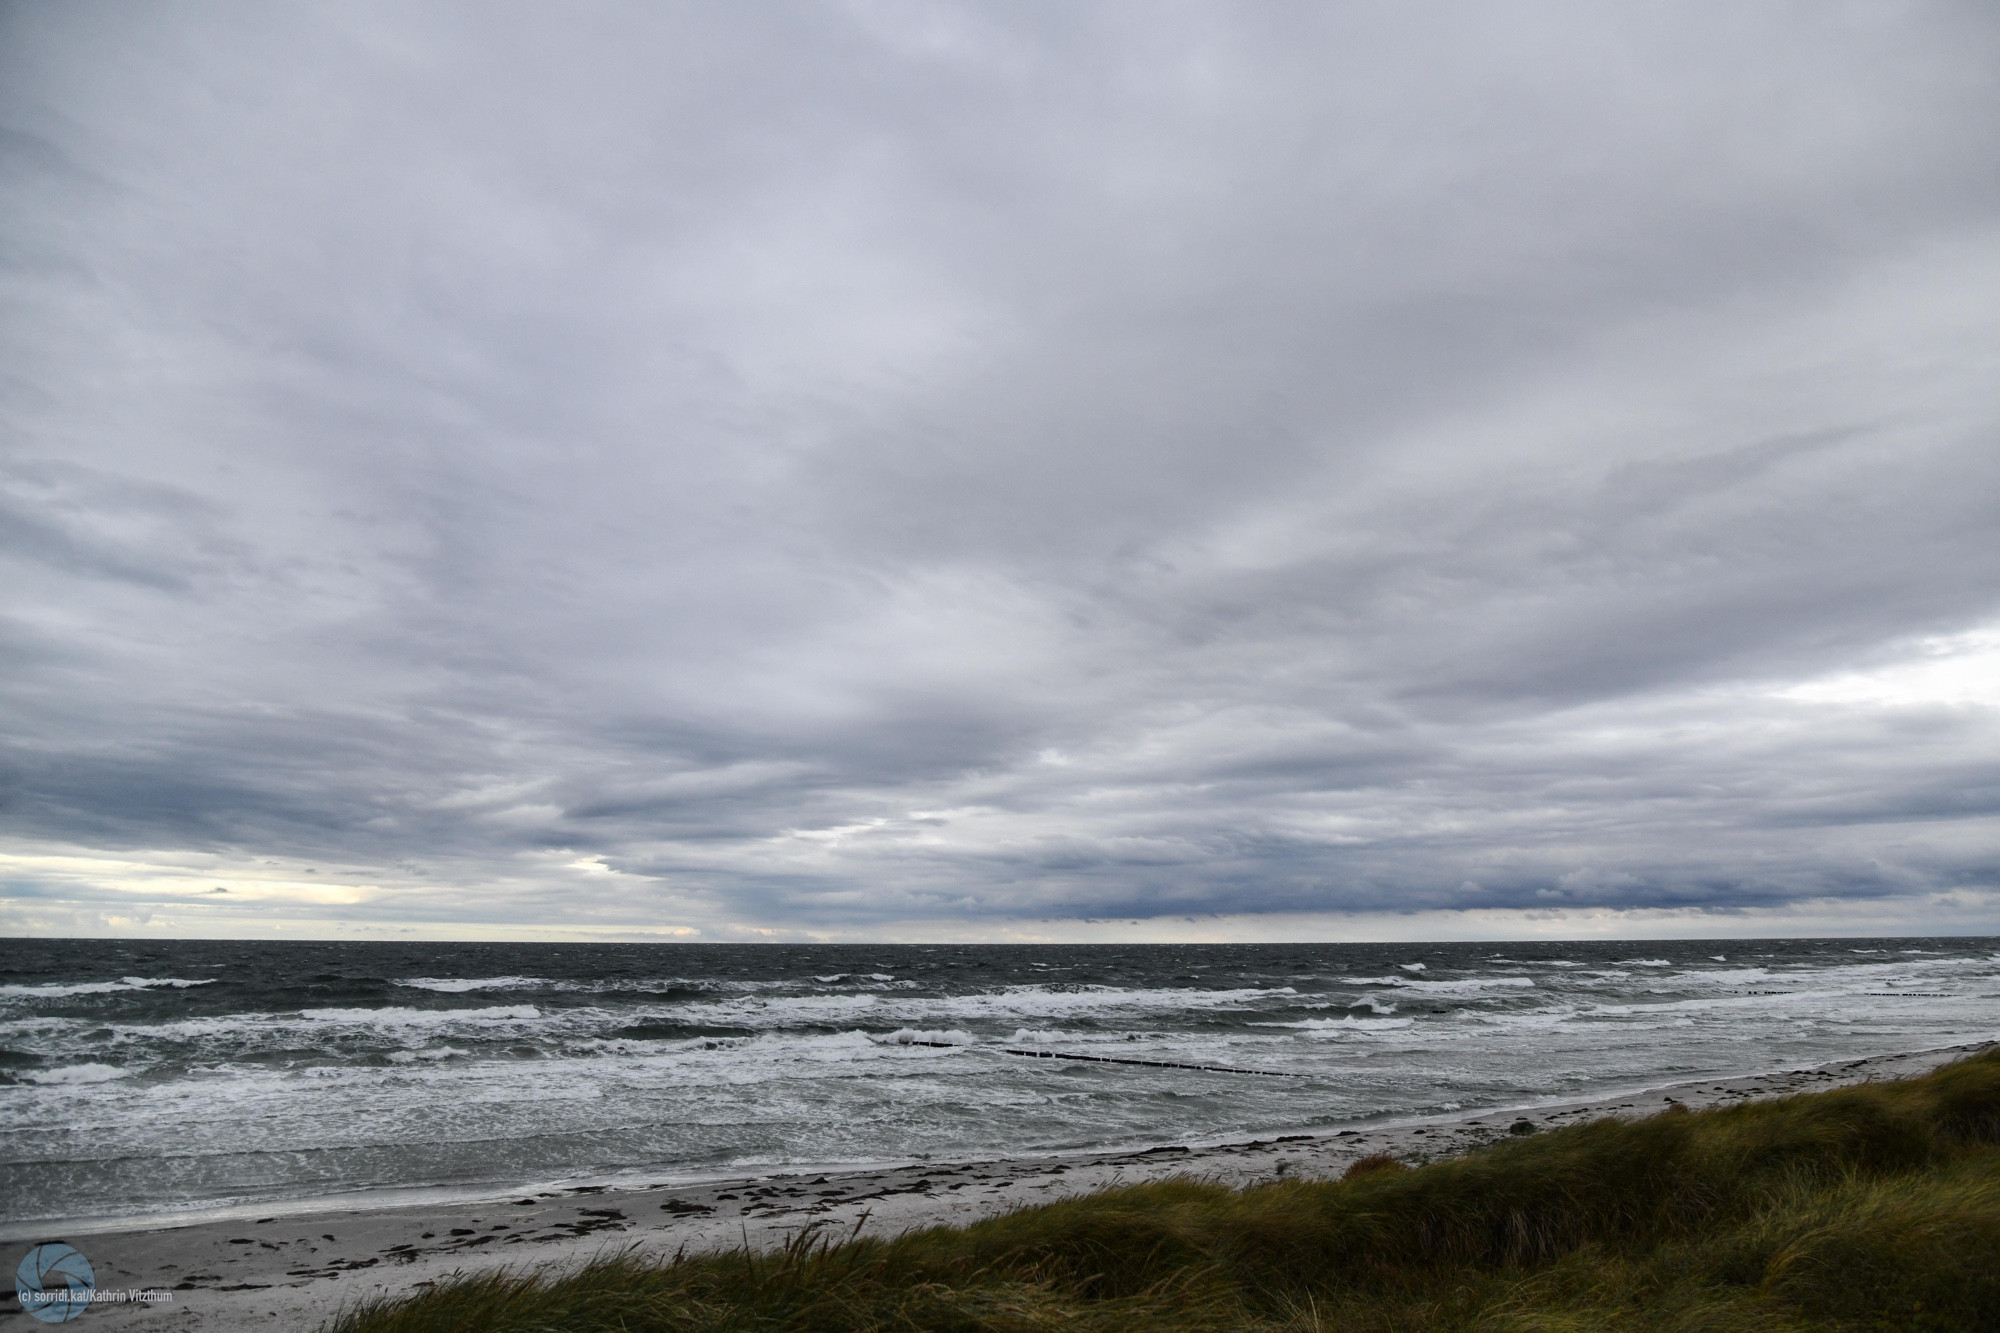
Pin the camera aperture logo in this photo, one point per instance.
(55, 1284)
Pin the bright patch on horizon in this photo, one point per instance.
(184, 875)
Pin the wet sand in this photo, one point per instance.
(294, 1270)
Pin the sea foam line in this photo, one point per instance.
(55, 990)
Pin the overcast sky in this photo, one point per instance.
(1010, 470)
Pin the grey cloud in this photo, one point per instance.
(841, 466)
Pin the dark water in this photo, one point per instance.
(144, 1078)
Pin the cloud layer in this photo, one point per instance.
(839, 468)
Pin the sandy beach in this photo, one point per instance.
(295, 1269)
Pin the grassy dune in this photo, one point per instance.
(1874, 1207)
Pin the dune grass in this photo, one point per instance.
(1872, 1207)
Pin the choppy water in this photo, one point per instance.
(144, 1078)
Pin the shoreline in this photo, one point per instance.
(301, 1267)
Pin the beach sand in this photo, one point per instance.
(292, 1270)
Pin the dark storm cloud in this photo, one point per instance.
(831, 466)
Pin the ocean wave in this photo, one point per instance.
(927, 1037)
(1726, 976)
(1011, 1002)
(1456, 986)
(722, 988)
(70, 1074)
(56, 990)
(398, 1017)
(692, 1061)
(426, 1053)
(1870, 974)
(1348, 1022)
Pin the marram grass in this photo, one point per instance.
(1872, 1207)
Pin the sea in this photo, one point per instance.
(167, 1080)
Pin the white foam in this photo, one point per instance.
(200, 1029)
(1347, 1023)
(1461, 985)
(1413, 967)
(395, 1017)
(459, 985)
(928, 1037)
(87, 1073)
(776, 1012)
(57, 990)
(780, 1049)
(1732, 976)
(428, 1053)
